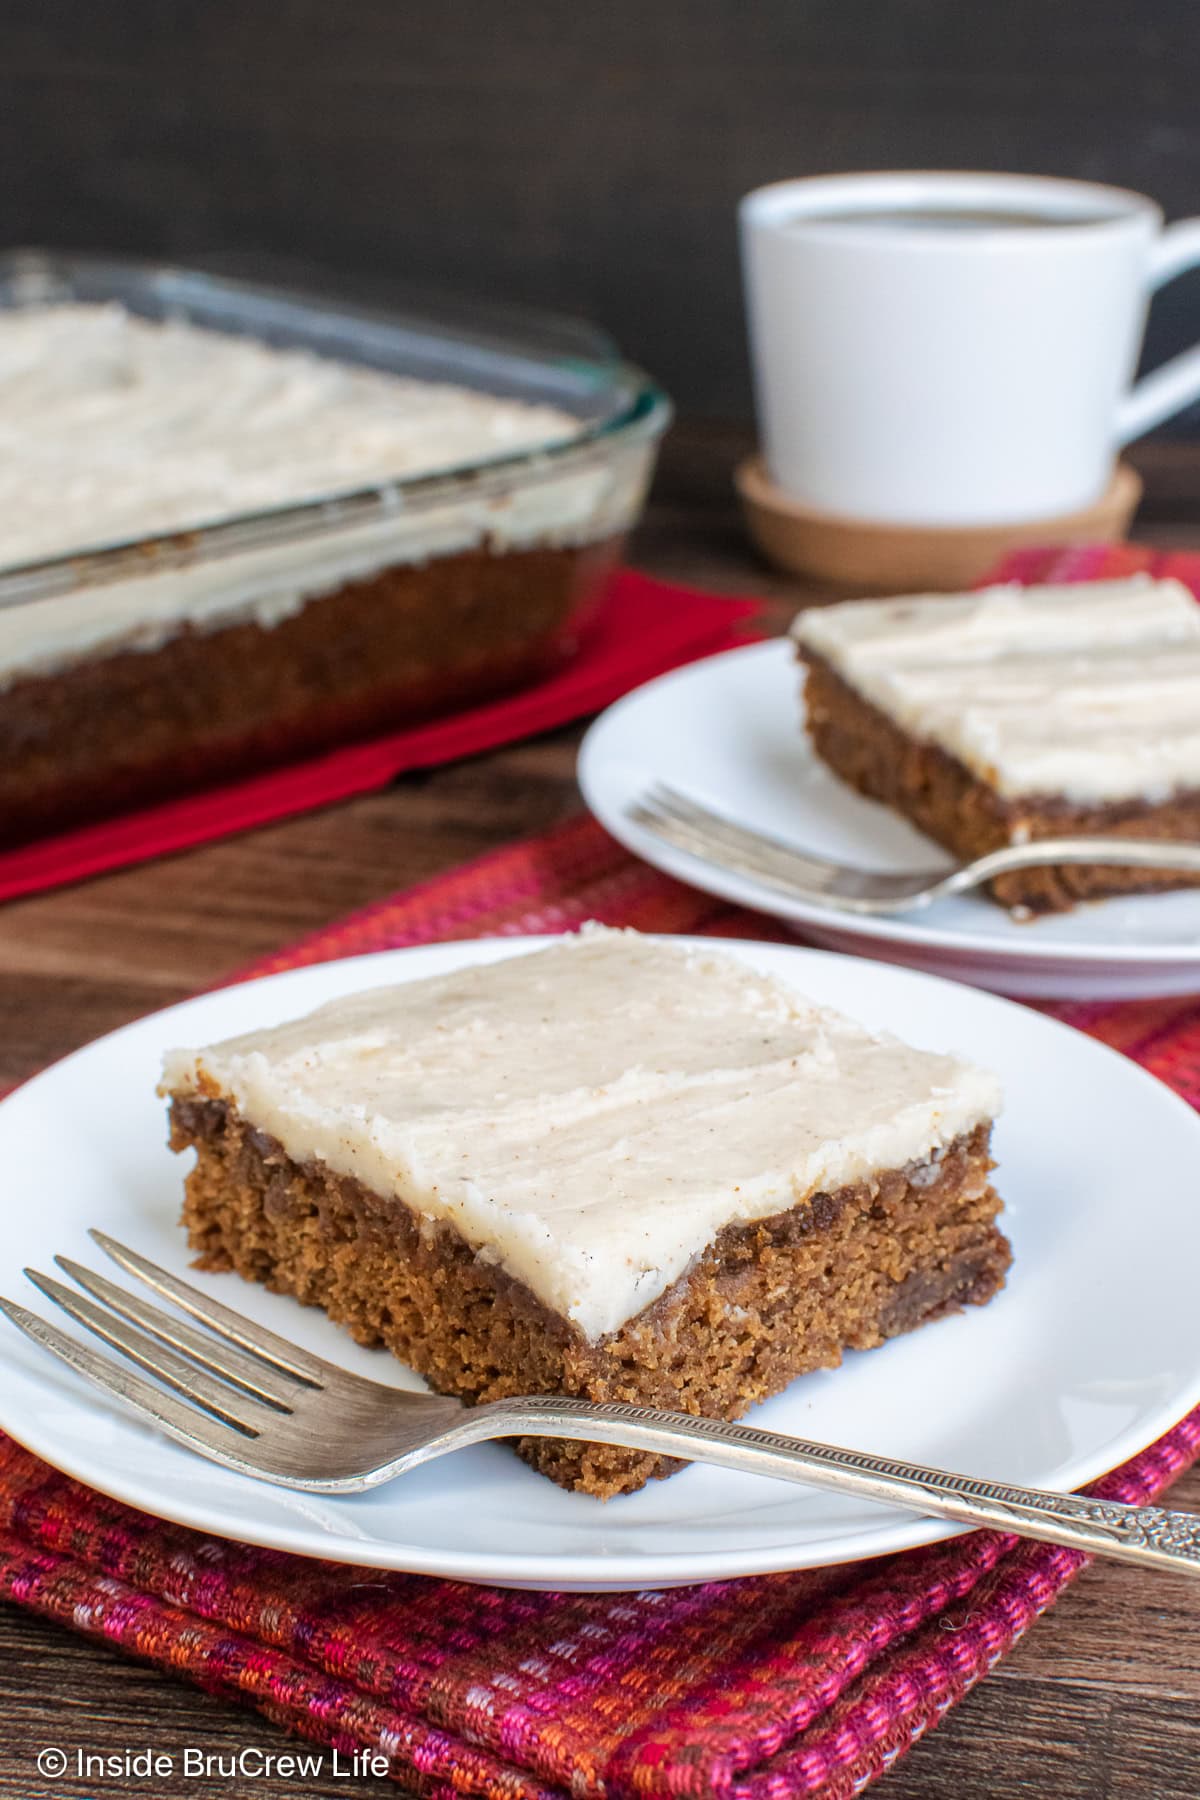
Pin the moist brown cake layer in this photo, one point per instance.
(946, 801)
(766, 1302)
(126, 729)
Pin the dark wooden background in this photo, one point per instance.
(586, 157)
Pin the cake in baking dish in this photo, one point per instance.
(618, 1168)
(193, 662)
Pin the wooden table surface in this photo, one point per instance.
(1100, 1702)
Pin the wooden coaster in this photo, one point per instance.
(853, 553)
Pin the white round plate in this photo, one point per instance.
(729, 731)
(1088, 1353)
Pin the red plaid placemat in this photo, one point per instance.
(807, 1684)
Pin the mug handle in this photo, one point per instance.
(1176, 383)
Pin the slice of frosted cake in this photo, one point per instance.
(619, 1167)
(1017, 713)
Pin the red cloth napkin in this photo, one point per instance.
(765, 1689)
(644, 628)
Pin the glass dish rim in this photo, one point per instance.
(641, 418)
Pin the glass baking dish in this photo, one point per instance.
(133, 670)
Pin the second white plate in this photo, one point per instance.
(729, 731)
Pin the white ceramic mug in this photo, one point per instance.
(955, 349)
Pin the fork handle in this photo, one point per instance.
(1148, 1535)
(1126, 853)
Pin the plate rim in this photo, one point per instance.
(982, 945)
(574, 1570)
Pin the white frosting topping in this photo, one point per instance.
(1089, 691)
(113, 428)
(590, 1116)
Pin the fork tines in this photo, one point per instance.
(239, 1373)
(715, 837)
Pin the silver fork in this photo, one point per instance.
(716, 839)
(241, 1396)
